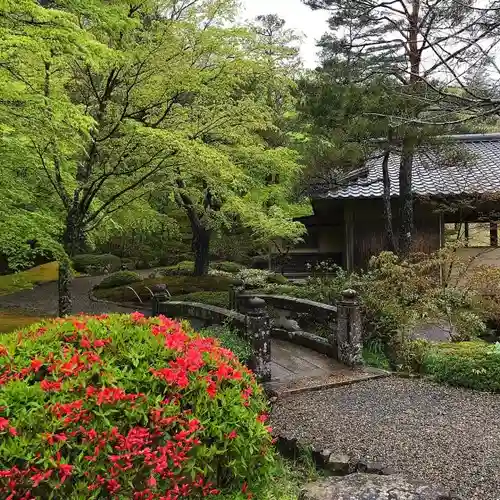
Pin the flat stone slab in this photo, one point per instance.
(373, 487)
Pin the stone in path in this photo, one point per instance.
(372, 487)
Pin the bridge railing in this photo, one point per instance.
(249, 316)
(343, 340)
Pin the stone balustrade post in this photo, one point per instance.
(349, 330)
(160, 294)
(259, 334)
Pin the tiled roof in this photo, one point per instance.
(479, 173)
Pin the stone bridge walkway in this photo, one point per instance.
(297, 369)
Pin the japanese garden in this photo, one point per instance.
(228, 271)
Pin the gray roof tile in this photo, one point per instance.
(478, 174)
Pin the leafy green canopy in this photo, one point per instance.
(105, 104)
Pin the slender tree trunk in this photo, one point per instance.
(201, 249)
(407, 153)
(65, 279)
(74, 243)
(406, 199)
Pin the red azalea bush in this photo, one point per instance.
(127, 407)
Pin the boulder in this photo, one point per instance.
(372, 487)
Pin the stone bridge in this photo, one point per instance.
(285, 357)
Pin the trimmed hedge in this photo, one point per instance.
(177, 285)
(218, 299)
(128, 407)
(475, 365)
(184, 268)
(120, 278)
(227, 266)
(96, 264)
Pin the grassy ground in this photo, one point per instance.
(11, 283)
(10, 321)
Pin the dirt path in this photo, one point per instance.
(438, 434)
(42, 300)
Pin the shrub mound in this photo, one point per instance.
(96, 264)
(218, 299)
(184, 268)
(177, 285)
(475, 365)
(120, 278)
(127, 407)
(227, 266)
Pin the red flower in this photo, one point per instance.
(12, 431)
(49, 386)
(232, 435)
(85, 342)
(3, 351)
(211, 389)
(262, 418)
(65, 471)
(136, 316)
(4, 423)
(36, 364)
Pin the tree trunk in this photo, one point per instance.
(74, 243)
(406, 199)
(64, 287)
(201, 248)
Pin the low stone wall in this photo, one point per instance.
(296, 305)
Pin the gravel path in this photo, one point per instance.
(42, 299)
(426, 431)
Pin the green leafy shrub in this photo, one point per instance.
(96, 264)
(218, 299)
(475, 365)
(231, 340)
(119, 278)
(227, 266)
(127, 407)
(257, 278)
(184, 268)
(177, 285)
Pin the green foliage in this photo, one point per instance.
(218, 299)
(119, 278)
(227, 266)
(475, 365)
(177, 285)
(96, 264)
(184, 268)
(153, 405)
(257, 278)
(231, 340)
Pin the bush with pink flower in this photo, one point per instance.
(127, 407)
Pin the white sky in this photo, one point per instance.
(299, 17)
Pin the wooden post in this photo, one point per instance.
(349, 237)
(493, 234)
(349, 330)
(259, 334)
(466, 234)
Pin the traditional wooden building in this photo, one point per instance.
(454, 193)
